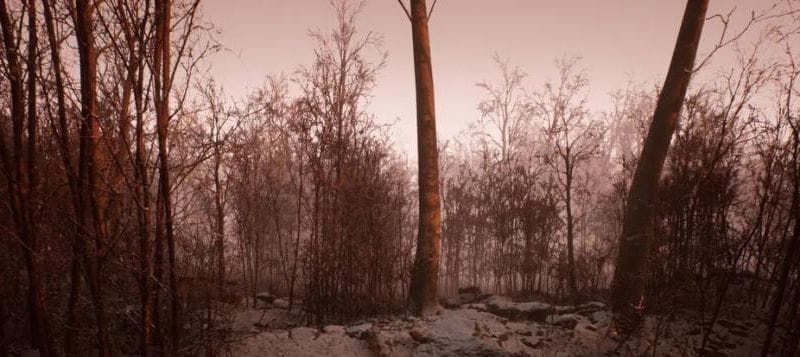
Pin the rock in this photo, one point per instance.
(303, 333)
(333, 329)
(532, 342)
(476, 306)
(470, 290)
(597, 305)
(534, 311)
(420, 335)
(567, 321)
(561, 310)
(477, 350)
(589, 308)
(281, 304)
(450, 303)
(410, 319)
(265, 298)
(602, 318)
(519, 328)
(376, 343)
(740, 333)
(357, 331)
(465, 295)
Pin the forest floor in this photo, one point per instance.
(475, 324)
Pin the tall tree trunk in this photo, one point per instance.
(90, 221)
(163, 83)
(22, 174)
(425, 274)
(634, 247)
(63, 137)
(143, 197)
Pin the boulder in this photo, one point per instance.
(357, 331)
(265, 299)
(303, 334)
(420, 335)
(567, 321)
(333, 329)
(532, 342)
(533, 311)
(281, 304)
(450, 302)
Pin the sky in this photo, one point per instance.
(619, 41)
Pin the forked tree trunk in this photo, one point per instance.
(425, 274)
(637, 231)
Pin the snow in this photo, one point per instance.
(494, 326)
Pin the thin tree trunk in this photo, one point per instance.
(163, 83)
(792, 248)
(573, 280)
(142, 190)
(220, 214)
(634, 248)
(22, 174)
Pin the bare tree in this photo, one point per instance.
(19, 164)
(573, 138)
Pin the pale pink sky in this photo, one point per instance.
(619, 40)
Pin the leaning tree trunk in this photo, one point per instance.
(634, 247)
(425, 274)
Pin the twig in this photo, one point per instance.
(405, 9)
(431, 10)
(723, 41)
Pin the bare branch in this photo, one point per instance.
(430, 12)
(724, 41)
(405, 9)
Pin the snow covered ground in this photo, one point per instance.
(484, 325)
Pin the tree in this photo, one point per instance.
(627, 294)
(19, 165)
(573, 139)
(425, 273)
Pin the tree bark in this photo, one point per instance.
(163, 83)
(573, 275)
(22, 173)
(425, 274)
(219, 207)
(637, 232)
